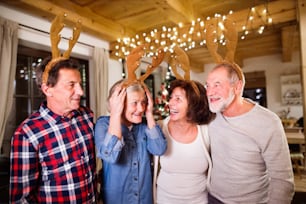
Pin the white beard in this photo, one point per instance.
(222, 104)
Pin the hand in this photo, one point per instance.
(116, 101)
(149, 109)
(116, 106)
(150, 103)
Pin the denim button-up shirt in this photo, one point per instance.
(126, 176)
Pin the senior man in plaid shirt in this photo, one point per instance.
(53, 154)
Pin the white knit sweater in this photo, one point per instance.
(251, 160)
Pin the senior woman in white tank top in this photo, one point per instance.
(181, 174)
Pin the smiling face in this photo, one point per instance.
(178, 104)
(135, 106)
(66, 94)
(220, 90)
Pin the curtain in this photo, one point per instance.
(100, 66)
(101, 57)
(8, 59)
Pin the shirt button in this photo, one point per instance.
(135, 163)
(135, 179)
(136, 194)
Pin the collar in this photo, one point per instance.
(55, 118)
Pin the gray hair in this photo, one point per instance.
(232, 70)
(134, 87)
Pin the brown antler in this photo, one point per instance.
(133, 62)
(231, 35)
(180, 59)
(211, 35)
(74, 39)
(155, 62)
(56, 27)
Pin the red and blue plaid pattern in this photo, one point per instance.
(53, 158)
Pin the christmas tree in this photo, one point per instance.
(161, 109)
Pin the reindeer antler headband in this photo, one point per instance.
(231, 35)
(179, 59)
(56, 27)
(133, 62)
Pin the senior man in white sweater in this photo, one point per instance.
(249, 149)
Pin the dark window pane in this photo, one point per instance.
(85, 81)
(22, 107)
(83, 102)
(36, 103)
(22, 76)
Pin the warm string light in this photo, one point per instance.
(185, 36)
(188, 36)
(263, 15)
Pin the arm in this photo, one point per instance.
(24, 171)
(108, 146)
(108, 135)
(156, 141)
(278, 162)
(157, 144)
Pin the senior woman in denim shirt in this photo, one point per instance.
(125, 144)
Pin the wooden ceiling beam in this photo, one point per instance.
(288, 42)
(105, 28)
(280, 12)
(196, 66)
(183, 7)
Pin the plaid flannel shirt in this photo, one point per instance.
(53, 158)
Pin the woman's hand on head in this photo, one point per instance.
(116, 101)
(150, 103)
(149, 109)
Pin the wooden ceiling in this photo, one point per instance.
(113, 19)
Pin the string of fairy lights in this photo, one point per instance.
(191, 35)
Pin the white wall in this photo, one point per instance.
(274, 68)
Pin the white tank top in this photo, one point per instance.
(182, 178)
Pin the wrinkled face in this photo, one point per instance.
(65, 96)
(219, 90)
(178, 104)
(135, 106)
